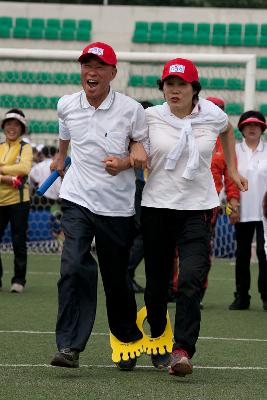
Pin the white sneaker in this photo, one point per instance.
(16, 288)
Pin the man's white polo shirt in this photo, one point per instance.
(94, 135)
(168, 188)
(252, 165)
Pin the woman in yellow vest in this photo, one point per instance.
(15, 164)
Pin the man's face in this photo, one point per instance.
(96, 77)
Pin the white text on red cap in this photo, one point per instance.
(97, 51)
(177, 68)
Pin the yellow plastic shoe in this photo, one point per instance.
(124, 351)
(160, 345)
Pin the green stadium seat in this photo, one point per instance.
(67, 34)
(234, 40)
(203, 27)
(74, 79)
(28, 77)
(263, 109)
(234, 108)
(262, 42)
(38, 23)
(202, 38)
(250, 40)
(238, 134)
(151, 81)
(142, 25)
(136, 81)
(263, 29)
(157, 26)
(218, 39)
(52, 126)
(36, 33)
(219, 29)
(52, 102)
(6, 21)
(234, 84)
(85, 24)
(217, 83)
(34, 126)
(188, 27)
(51, 33)
(187, 38)
(235, 29)
(261, 85)
(262, 62)
(40, 102)
(69, 23)
(20, 33)
(22, 23)
(251, 29)
(172, 27)
(8, 101)
(83, 35)
(140, 36)
(172, 37)
(12, 77)
(5, 32)
(43, 77)
(204, 82)
(23, 101)
(156, 37)
(53, 23)
(60, 78)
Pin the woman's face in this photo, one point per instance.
(12, 129)
(252, 132)
(178, 94)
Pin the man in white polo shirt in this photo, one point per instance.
(97, 201)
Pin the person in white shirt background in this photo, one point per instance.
(252, 163)
(177, 201)
(97, 195)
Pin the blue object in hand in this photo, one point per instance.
(51, 179)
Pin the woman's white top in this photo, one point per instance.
(252, 165)
(181, 150)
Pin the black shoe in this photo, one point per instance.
(136, 287)
(127, 365)
(66, 358)
(161, 361)
(264, 305)
(171, 296)
(240, 303)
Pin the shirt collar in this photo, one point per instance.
(196, 110)
(245, 147)
(105, 105)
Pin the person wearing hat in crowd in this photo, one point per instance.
(252, 163)
(15, 165)
(177, 201)
(97, 201)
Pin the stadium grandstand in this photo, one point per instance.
(36, 85)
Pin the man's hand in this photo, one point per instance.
(58, 165)
(233, 211)
(138, 155)
(114, 165)
(240, 181)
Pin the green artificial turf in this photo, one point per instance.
(225, 368)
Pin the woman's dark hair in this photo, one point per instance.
(251, 114)
(195, 85)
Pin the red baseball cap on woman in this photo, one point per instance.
(102, 50)
(181, 67)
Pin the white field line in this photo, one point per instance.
(107, 334)
(138, 367)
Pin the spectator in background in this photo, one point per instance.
(15, 164)
(137, 249)
(252, 163)
(38, 175)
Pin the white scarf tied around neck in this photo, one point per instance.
(187, 137)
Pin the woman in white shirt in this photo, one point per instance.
(252, 163)
(177, 202)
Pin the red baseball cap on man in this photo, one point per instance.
(102, 50)
(181, 67)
